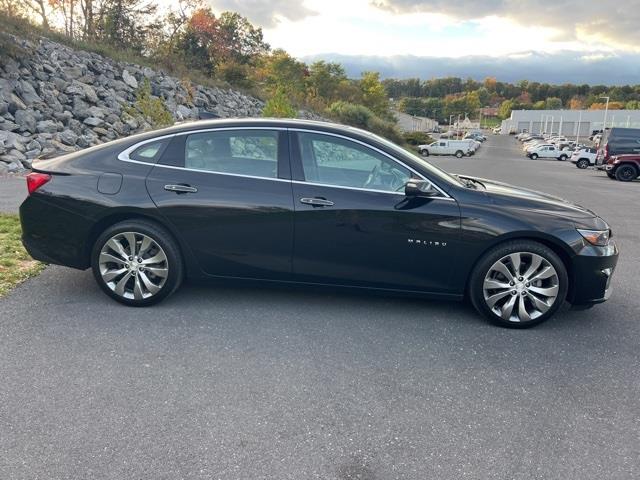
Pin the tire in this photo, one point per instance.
(611, 175)
(562, 158)
(494, 303)
(424, 152)
(459, 154)
(124, 279)
(534, 156)
(626, 173)
(582, 163)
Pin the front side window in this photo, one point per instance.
(240, 152)
(332, 160)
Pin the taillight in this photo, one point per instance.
(36, 180)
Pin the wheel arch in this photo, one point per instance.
(563, 252)
(123, 215)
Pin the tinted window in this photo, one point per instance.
(334, 161)
(148, 152)
(239, 152)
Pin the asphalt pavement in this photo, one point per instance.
(13, 190)
(254, 383)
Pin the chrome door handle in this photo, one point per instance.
(317, 202)
(180, 188)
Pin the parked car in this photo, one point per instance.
(475, 136)
(459, 148)
(547, 151)
(617, 141)
(304, 202)
(623, 167)
(584, 157)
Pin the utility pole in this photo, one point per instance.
(606, 111)
(578, 130)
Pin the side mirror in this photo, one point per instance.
(420, 188)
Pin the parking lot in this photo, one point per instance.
(244, 383)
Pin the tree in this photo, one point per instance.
(125, 23)
(553, 103)
(281, 72)
(576, 103)
(38, 7)
(505, 109)
(374, 95)
(325, 80)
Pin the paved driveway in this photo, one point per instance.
(220, 382)
(13, 190)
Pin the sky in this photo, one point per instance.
(581, 41)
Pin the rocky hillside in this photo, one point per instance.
(54, 99)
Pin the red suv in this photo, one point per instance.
(623, 167)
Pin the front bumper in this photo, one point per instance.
(592, 271)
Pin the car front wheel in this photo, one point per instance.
(137, 263)
(534, 156)
(424, 152)
(626, 173)
(519, 284)
(562, 158)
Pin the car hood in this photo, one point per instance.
(532, 200)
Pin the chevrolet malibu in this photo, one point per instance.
(309, 203)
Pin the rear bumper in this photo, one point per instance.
(54, 235)
(592, 273)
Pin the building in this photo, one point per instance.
(411, 123)
(569, 122)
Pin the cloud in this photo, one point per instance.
(266, 13)
(557, 68)
(612, 23)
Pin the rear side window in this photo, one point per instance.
(149, 152)
(240, 152)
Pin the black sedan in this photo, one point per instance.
(309, 203)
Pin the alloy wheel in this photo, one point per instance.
(133, 265)
(520, 287)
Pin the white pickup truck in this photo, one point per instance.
(459, 148)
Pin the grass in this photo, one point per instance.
(15, 263)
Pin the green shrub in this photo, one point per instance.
(151, 108)
(279, 106)
(361, 117)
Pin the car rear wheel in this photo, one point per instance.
(459, 154)
(137, 263)
(519, 284)
(582, 163)
(534, 156)
(424, 152)
(626, 173)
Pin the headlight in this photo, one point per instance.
(599, 238)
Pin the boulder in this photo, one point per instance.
(26, 120)
(68, 137)
(47, 126)
(129, 79)
(93, 121)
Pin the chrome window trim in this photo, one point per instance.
(371, 147)
(124, 156)
(300, 182)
